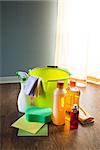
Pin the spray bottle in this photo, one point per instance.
(22, 101)
(74, 117)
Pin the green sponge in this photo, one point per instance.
(38, 114)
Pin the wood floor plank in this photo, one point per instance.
(84, 138)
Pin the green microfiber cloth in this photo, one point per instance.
(42, 132)
(38, 114)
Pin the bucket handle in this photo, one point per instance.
(52, 66)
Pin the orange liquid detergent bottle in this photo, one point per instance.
(58, 104)
(72, 96)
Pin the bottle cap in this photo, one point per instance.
(72, 83)
(60, 84)
(75, 106)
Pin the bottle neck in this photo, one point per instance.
(22, 85)
(73, 86)
(75, 110)
(61, 88)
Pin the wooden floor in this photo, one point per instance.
(84, 138)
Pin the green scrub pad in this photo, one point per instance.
(38, 114)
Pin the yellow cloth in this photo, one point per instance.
(31, 127)
(84, 116)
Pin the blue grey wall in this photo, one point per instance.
(28, 35)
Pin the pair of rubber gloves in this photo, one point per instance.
(33, 86)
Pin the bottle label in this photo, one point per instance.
(62, 102)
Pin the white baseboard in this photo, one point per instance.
(14, 79)
(9, 79)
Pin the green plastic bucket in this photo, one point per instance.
(49, 77)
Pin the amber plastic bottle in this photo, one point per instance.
(74, 117)
(72, 96)
(58, 104)
(67, 121)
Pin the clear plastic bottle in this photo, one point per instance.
(58, 104)
(72, 96)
